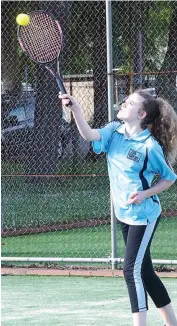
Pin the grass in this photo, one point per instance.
(54, 200)
(64, 167)
(78, 301)
(88, 242)
(51, 201)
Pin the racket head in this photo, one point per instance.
(41, 39)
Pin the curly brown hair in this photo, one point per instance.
(161, 120)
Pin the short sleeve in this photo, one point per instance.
(106, 132)
(160, 165)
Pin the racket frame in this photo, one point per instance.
(55, 74)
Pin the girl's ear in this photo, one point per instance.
(141, 115)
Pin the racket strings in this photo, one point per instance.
(41, 38)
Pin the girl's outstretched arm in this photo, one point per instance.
(85, 130)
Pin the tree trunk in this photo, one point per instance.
(100, 65)
(136, 33)
(46, 136)
(10, 72)
(48, 113)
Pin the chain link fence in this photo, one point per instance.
(55, 190)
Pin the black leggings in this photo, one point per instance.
(138, 270)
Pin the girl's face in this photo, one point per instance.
(131, 110)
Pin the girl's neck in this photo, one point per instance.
(132, 130)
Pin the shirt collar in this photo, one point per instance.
(139, 137)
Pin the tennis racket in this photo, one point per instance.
(41, 41)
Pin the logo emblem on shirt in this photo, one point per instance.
(134, 155)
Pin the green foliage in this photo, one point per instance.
(156, 36)
(154, 25)
(81, 31)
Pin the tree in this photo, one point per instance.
(13, 61)
(99, 60)
(10, 57)
(86, 50)
(166, 83)
(140, 35)
(43, 152)
(12, 67)
(136, 43)
(44, 142)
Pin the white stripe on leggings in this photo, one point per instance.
(137, 267)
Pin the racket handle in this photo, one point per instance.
(60, 83)
(62, 88)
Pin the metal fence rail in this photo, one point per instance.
(55, 191)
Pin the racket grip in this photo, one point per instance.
(62, 88)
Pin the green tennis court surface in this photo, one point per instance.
(71, 301)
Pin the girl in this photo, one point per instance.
(137, 149)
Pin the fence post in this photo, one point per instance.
(111, 116)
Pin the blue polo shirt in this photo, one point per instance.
(132, 165)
